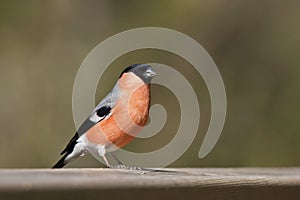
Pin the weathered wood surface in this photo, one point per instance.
(193, 183)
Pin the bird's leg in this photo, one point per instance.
(120, 164)
(106, 161)
(116, 158)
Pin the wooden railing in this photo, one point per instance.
(186, 183)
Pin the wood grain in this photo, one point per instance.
(186, 183)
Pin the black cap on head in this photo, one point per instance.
(143, 71)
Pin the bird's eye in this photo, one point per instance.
(150, 73)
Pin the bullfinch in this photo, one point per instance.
(116, 119)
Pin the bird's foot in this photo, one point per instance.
(121, 166)
(140, 169)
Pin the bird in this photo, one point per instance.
(116, 120)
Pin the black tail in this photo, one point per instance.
(61, 163)
(68, 150)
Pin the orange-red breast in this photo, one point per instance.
(116, 119)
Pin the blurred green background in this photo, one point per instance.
(255, 44)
